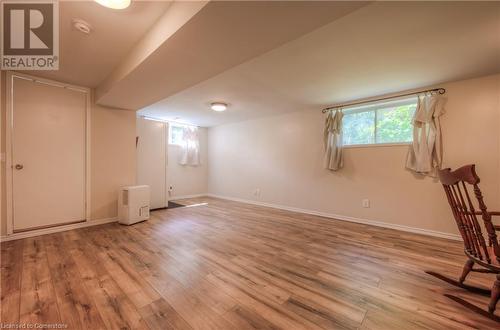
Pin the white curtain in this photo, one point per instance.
(333, 140)
(425, 154)
(190, 147)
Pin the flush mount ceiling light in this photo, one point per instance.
(218, 106)
(114, 4)
(81, 25)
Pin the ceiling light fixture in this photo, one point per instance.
(218, 106)
(114, 4)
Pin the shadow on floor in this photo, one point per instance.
(172, 205)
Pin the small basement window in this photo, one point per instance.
(176, 134)
(379, 123)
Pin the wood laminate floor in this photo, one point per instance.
(227, 265)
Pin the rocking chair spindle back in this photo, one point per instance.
(461, 187)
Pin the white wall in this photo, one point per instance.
(282, 156)
(113, 161)
(188, 180)
(112, 157)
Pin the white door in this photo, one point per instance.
(48, 155)
(152, 159)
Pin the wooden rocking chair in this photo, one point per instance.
(485, 255)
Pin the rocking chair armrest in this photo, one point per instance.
(492, 213)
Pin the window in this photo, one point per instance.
(379, 123)
(176, 134)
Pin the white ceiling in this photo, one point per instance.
(86, 60)
(380, 48)
(219, 36)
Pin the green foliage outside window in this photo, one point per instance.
(394, 124)
(383, 125)
(359, 128)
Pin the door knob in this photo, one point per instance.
(19, 167)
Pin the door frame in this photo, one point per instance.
(166, 132)
(9, 145)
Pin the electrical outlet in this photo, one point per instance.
(366, 203)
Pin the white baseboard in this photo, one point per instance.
(174, 198)
(346, 218)
(51, 230)
(427, 232)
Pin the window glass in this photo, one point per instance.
(388, 122)
(358, 128)
(394, 124)
(176, 134)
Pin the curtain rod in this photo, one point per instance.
(439, 90)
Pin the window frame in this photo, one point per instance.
(373, 107)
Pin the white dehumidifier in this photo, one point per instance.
(133, 204)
